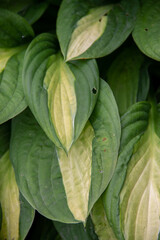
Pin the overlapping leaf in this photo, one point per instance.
(92, 29)
(12, 100)
(105, 215)
(46, 182)
(139, 198)
(147, 33)
(60, 95)
(13, 213)
(127, 74)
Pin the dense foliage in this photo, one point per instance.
(79, 119)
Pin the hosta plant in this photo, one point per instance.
(79, 120)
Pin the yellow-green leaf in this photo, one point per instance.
(140, 196)
(100, 221)
(89, 29)
(59, 81)
(6, 54)
(9, 200)
(76, 173)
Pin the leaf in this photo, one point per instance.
(26, 217)
(60, 95)
(76, 231)
(107, 129)
(34, 12)
(146, 33)
(92, 29)
(139, 197)
(134, 123)
(76, 173)
(9, 198)
(124, 76)
(12, 100)
(6, 54)
(15, 6)
(44, 173)
(101, 224)
(14, 30)
(37, 170)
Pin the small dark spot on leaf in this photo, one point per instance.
(104, 139)
(104, 150)
(127, 14)
(94, 90)
(100, 19)
(105, 14)
(146, 29)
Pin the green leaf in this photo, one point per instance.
(139, 197)
(14, 30)
(76, 231)
(9, 199)
(65, 187)
(6, 54)
(26, 217)
(12, 100)
(92, 29)
(15, 6)
(124, 76)
(106, 124)
(101, 224)
(147, 32)
(61, 95)
(38, 175)
(134, 123)
(34, 12)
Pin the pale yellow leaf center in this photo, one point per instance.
(59, 81)
(89, 29)
(9, 200)
(76, 173)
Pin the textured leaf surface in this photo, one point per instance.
(90, 29)
(123, 77)
(140, 198)
(76, 173)
(6, 54)
(9, 198)
(60, 95)
(14, 30)
(147, 32)
(106, 124)
(101, 224)
(43, 178)
(134, 122)
(12, 100)
(37, 170)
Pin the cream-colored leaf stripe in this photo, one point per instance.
(140, 196)
(89, 29)
(6, 54)
(76, 173)
(59, 81)
(9, 200)
(100, 221)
